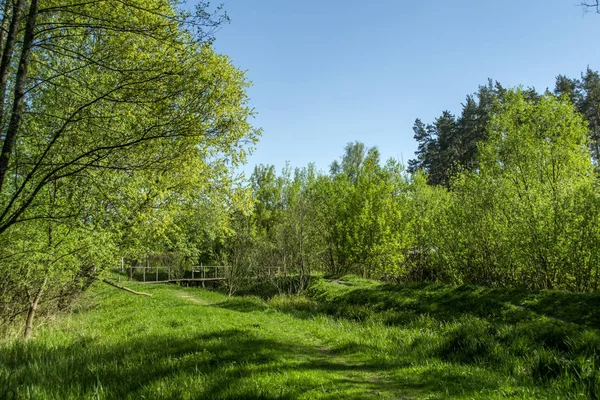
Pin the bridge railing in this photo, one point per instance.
(149, 273)
(209, 272)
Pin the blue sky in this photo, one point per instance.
(329, 72)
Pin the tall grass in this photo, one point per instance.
(348, 338)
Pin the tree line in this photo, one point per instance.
(449, 144)
(505, 195)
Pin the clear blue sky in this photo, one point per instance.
(327, 72)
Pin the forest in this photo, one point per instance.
(122, 134)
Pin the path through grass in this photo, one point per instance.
(185, 343)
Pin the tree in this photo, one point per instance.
(331, 198)
(538, 153)
(111, 104)
(360, 213)
(584, 93)
(589, 107)
(113, 115)
(240, 250)
(379, 240)
(427, 214)
(519, 217)
(449, 144)
(267, 190)
(297, 235)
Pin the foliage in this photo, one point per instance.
(450, 144)
(584, 93)
(119, 121)
(519, 220)
(525, 214)
(353, 219)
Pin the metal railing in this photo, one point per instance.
(148, 273)
(209, 272)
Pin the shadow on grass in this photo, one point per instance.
(435, 383)
(232, 364)
(242, 304)
(486, 333)
(399, 304)
(549, 336)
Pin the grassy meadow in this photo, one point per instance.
(346, 338)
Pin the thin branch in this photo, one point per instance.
(594, 5)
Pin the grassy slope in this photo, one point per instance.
(353, 339)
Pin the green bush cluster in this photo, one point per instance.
(528, 215)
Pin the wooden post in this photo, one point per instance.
(122, 265)
(144, 268)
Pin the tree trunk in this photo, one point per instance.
(5, 23)
(7, 48)
(31, 313)
(20, 89)
(124, 288)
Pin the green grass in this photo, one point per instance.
(349, 338)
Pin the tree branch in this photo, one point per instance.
(111, 283)
(594, 5)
